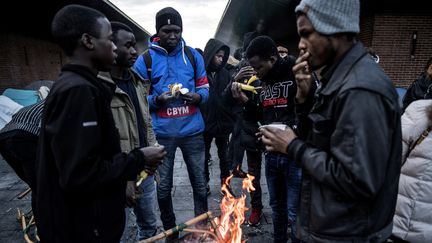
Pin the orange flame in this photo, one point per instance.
(232, 212)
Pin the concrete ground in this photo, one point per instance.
(11, 186)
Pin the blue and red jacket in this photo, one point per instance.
(175, 119)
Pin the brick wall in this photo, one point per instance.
(391, 40)
(24, 60)
(366, 30)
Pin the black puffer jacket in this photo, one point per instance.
(419, 89)
(218, 114)
(350, 155)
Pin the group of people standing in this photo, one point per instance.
(332, 171)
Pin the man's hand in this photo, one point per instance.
(164, 98)
(191, 98)
(275, 139)
(303, 77)
(131, 194)
(153, 157)
(238, 94)
(245, 73)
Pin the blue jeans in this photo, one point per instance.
(283, 181)
(145, 210)
(192, 148)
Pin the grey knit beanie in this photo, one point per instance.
(332, 16)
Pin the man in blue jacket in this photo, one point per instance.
(177, 120)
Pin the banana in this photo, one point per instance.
(248, 88)
(184, 91)
(142, 176)
(252, 79)
(175, 88)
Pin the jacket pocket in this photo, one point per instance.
(322, 129)
(119, 110)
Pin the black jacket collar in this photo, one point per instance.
(106, 88)
(336, 77)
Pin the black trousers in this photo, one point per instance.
(18, 148)
(222, 150)
(254, 159)
(235, 149)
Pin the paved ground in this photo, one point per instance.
(11, 186)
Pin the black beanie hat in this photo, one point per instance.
(168, 16)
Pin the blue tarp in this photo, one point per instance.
(22, 96)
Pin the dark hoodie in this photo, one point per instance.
(218, 115)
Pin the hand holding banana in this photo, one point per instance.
(153, 156)
(249, 87)
(176, 89)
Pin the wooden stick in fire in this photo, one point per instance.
(178, 228)
(216, 230)
(203, 232)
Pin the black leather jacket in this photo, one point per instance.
(419, 89)
(350, 153)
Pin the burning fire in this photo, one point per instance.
(232, 212)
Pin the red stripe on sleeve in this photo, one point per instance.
(201, 81)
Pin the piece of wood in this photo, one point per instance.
(21, 217)
(178, 228)
(24, 193)
(213, 235)
(216, 230)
